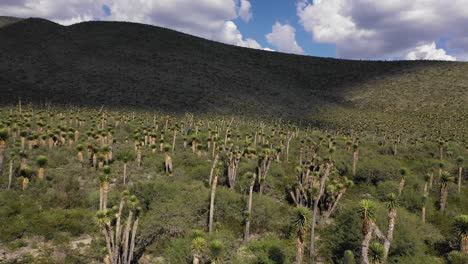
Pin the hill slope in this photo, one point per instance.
(135, 65)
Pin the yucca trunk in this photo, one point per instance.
(105, 192)
(132, 242)
(392, 214)
(366, 242)
(431, 180)
(443, 197)
(101, 197)
(139, 157)
(80, 157)
(299, 250)
(213, 166)
(41, 173)
(401, 186)
(10, 174)
(2, 157)
(94, 160)
(464, 244)
(25, 183)
(315, 212)
(249, 212)
(196, 259)
(23, 142)
(460, 169)
(355, 160)
(212, 200)
(127, 237)
(125, 173)
(174, 141)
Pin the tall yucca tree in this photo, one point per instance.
(323, 176)
(26, 174)
(367, 211)
(445, 179)
(403, 173)
(80, 148)
(125, 157)
(41, 161)
(120, 233)
(392, 203)
(198, 246)
(460, 160)
(301, 224)
(427, 179)
(104, 179)
(461, 227)
(355, 157)
(14, 153)
(248, 213)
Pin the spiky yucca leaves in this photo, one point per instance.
(367, 209)
(216, 248)
(461, 228)
(376, 253)
(300, 223)
(198, 246)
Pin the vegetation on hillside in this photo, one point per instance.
(83, 185)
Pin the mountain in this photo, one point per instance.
(5, 21)
(119, 64)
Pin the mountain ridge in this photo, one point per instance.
(121, 64)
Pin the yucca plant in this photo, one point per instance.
(198, 246)
(461, 228)
(445, 179)
(216, 251)
(376, 253)
(41, 161)
(367, 211)
(300, 223)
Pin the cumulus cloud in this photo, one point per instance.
(385, 29)
(283, 38)
(428, 52)
(245, 11)
(211, 19)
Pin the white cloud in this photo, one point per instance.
(245, 10)
(283, 38)
(211, 19)
(429, 52)
(231, 35)
(385, 29)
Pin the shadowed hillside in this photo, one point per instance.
(135, 65)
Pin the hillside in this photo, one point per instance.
(137, 144)
(135, 65)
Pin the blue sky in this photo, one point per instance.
(266, 13)
(351, 29)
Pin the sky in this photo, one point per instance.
(351, 29)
